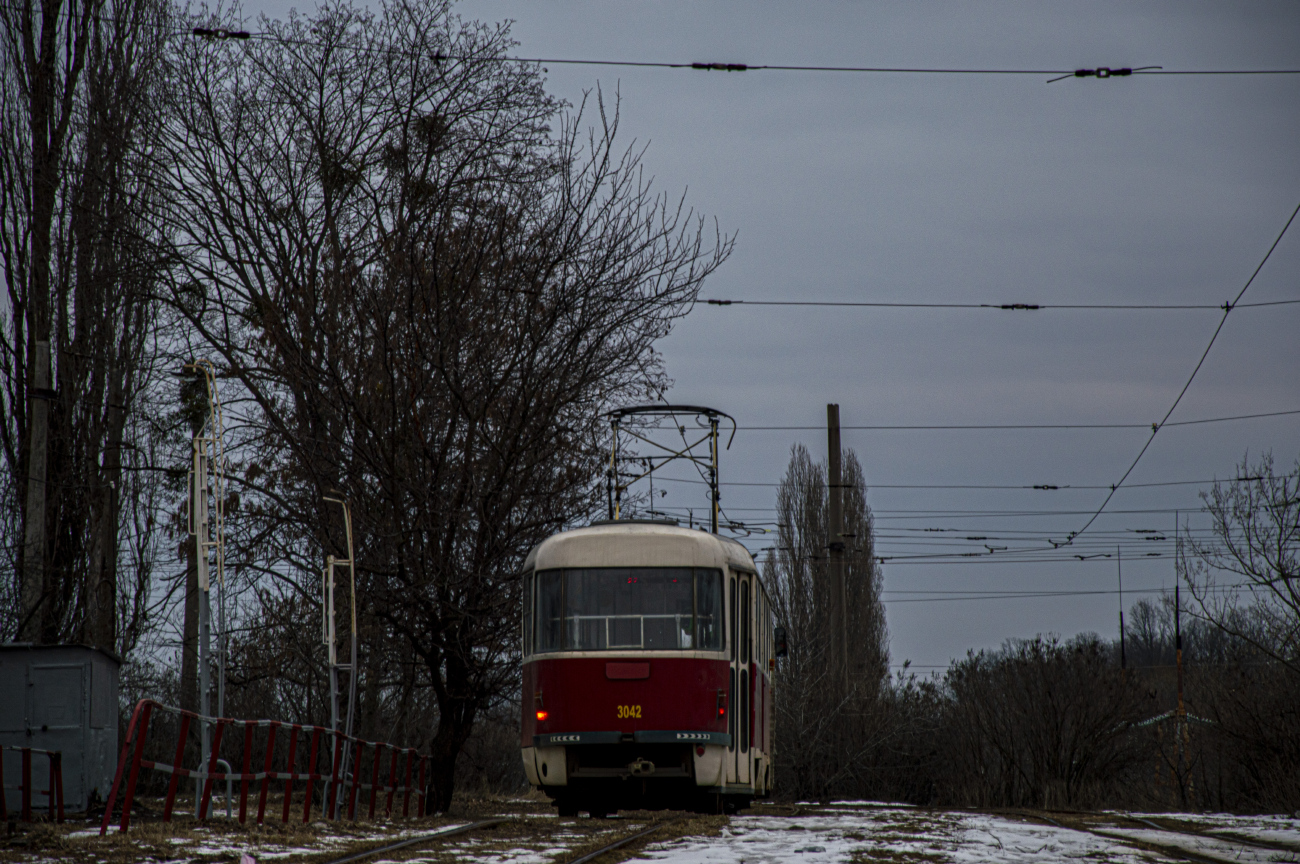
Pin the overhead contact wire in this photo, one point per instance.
(1155, 427)
(1001, 307)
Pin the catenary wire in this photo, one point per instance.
(1155, 427)
(1100, 72)
(996, 426)
(1039, 487)
(1032, 307)
(1019, 595)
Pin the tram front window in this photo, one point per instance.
(628, 608)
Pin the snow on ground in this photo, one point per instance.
(1207, 847)
(549, 849)
(845, 832)
(269, 850)
(893, 835)
(217, 843)
(1268, 829)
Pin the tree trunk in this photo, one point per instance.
(454, 728)
(35, 585)
(101, 611)
(456, 712)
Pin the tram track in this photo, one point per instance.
(1229, 836)
(1218, 848)
(410, 843)
(618, 844)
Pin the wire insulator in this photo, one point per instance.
(220, 33)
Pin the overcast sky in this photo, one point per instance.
(973, 189)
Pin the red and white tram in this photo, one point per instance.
(647, 670)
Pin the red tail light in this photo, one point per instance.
(542, 715)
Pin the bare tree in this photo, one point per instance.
(1245, 581)
(824, 735)
(77, 196)
(425, 296)
(1256, 542)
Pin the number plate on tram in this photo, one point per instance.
(629, 711)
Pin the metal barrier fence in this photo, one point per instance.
(54, 793)
(335, 789)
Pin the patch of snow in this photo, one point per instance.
(1267, 829)
(894, 833)
(866, 803)
(1206, 847)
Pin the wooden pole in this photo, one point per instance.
(835, 541)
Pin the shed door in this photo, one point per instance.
(56, 713)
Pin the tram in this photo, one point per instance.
(648, 655)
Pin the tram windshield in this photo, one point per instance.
(629, 609)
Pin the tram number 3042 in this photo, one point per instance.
(626, 711)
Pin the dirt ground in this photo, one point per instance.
(531, 825)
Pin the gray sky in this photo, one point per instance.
(958, 189)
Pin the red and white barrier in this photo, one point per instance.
(138, 730)
(54, 793)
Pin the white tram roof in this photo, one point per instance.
(630, 543)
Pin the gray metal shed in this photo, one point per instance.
(60, 697)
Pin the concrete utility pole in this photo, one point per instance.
(838, 618)
(199, 528)
(38, 413)
(330, 634)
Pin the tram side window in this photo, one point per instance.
(744, 621)
(550, 610)
(527, 647)
(767, 629)
(731, 603)
(708, 608)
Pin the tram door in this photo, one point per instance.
(740, 600)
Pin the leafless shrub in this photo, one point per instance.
(1040, 723)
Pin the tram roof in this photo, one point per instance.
(629, 543)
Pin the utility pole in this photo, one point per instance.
(330, 634)
(1123, 661)
(1180, 721)
(33, 590)
(207, 526)
(199, 528)
(612, 488)
(837, 619)
(713, 473)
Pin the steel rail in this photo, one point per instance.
(610, 847)
(1169, 849)
(1209, 835)
(412, 841)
